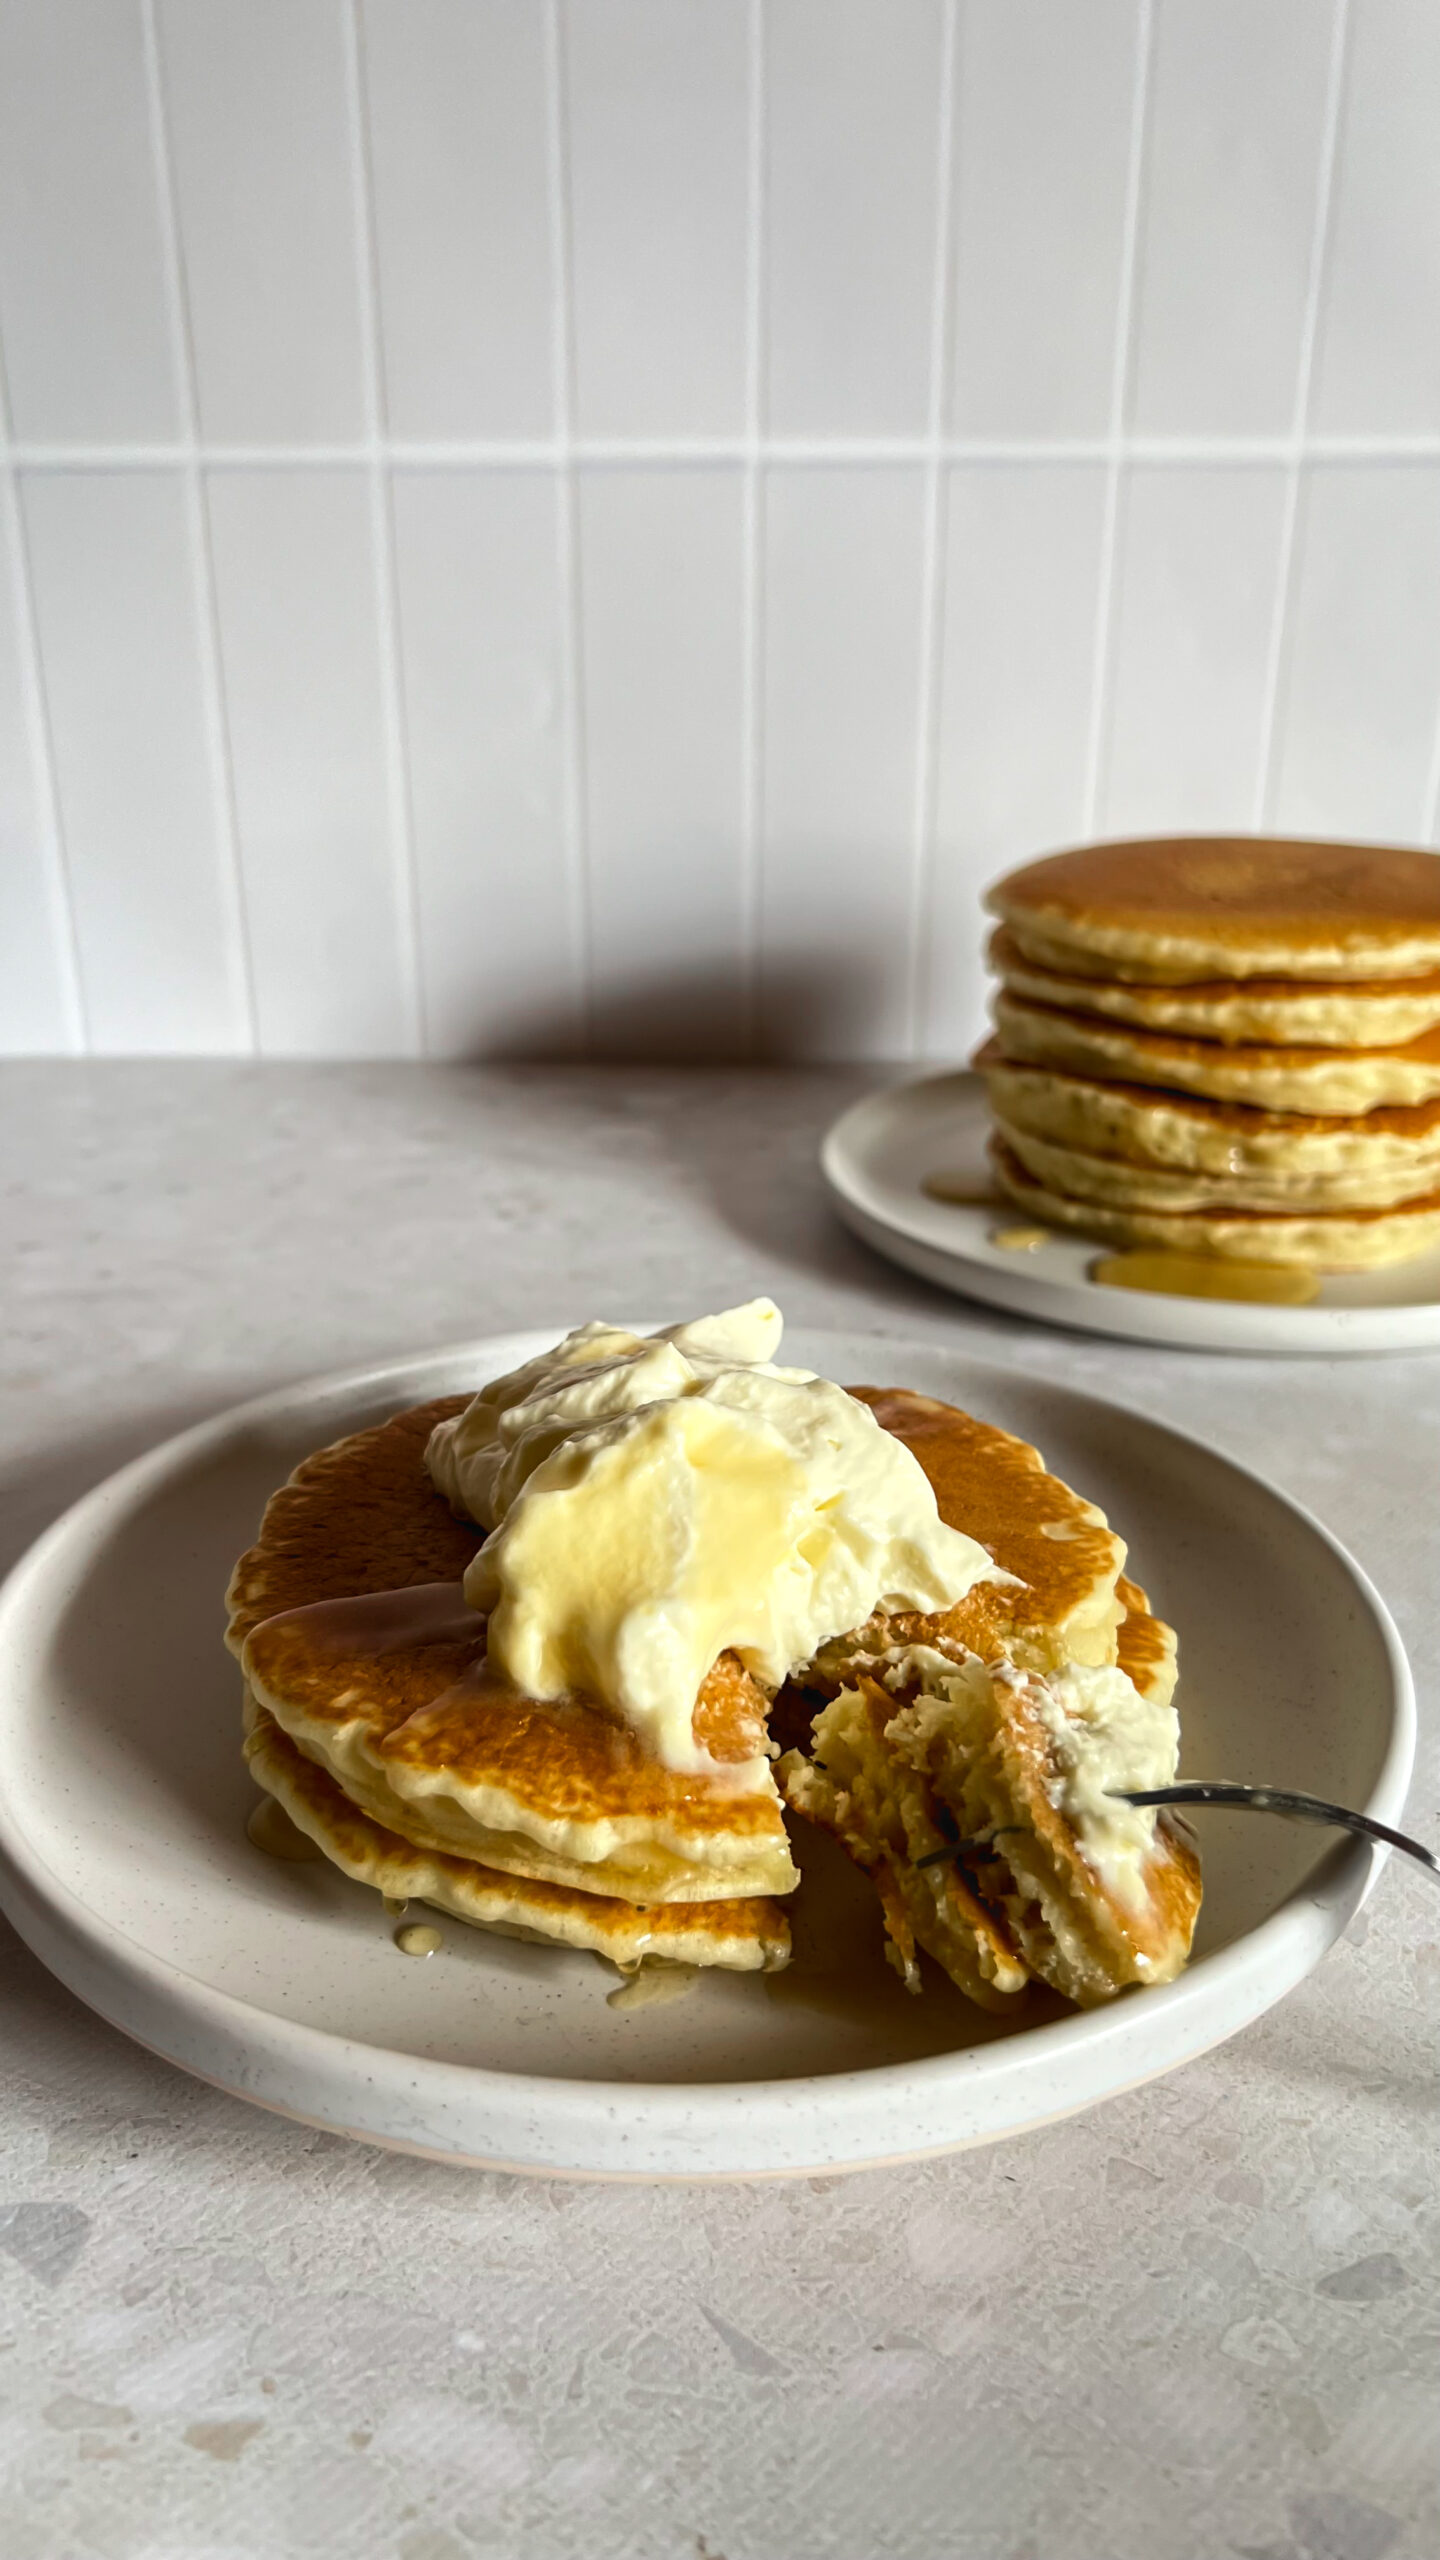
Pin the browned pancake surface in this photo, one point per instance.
(1294, 892)
(995, 1488)
(363, 1517)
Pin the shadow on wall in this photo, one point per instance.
(695, 1013)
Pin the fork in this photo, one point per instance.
(1281, 1800)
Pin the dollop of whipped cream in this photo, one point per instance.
(654, 1500)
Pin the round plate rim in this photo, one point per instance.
(1206, 1324)
(87, 1953)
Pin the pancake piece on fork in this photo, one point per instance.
(942, 1732)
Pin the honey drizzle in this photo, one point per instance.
(1196, 1275)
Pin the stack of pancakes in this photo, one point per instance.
(372, 1718)
(1222, 1046)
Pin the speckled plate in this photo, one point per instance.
(124, 1860)
(879, 1154)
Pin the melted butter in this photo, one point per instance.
(960, 1191)
(1198, 1275)
(1020, 1239)
(653, 1981)
(271, 1829)
(418, 1940)
(389, 1903)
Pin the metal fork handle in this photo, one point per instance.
(1282, 1800)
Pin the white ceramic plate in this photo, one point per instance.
(878, 1155)
(124, 1861)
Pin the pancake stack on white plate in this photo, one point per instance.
(1222, 1046)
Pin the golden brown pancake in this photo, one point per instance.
(1321, 1240)
(1334, 1081)
(1116, 1182)
(1023, 1857)
(958, 1823)
(1065, 1555)
(1294, 1013)
(1199, 907)
(374, 1666)
(1308, 1158)
(372, 1719)
(743, 1936)
(891, 1826)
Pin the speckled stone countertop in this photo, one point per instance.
(1201, 2321)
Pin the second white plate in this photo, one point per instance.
(878, 1156)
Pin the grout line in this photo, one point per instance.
(567, 535)
(382, 536)
(42, 760)
(41, 739)
(202, 556)
(932, 583)
(1277, 662)
(752, 640)
(1102, 676)
(783, 453)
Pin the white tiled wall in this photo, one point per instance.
(546, 525)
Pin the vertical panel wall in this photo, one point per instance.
(547, 526)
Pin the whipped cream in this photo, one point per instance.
(654, 1500)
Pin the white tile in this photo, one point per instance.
(113, 594)
(457, 114)
(1042, 139)
(1359, 710)
(261, 137)
(1021, 571)
(1237, 106)
(842, 655)
(477, 562)
(1378, 363)
(661, 585)
(852, 113)
(657, 125)
(34, 1010)
(1196, 573)
(82, 281)
(295, 593)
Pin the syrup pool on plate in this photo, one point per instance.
(1198, 1275)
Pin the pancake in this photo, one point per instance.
(922, 1794)
(1375, 1155)
(1202, 907)
(1373, 1013)
(353, 1632)
(372, 1720)
(1337, 1240)
(1145, 1648)
(1116, 1183)
(743, 1936)
(1331, 1081)
(1064, 1605)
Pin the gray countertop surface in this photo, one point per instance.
(1199, 2321)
